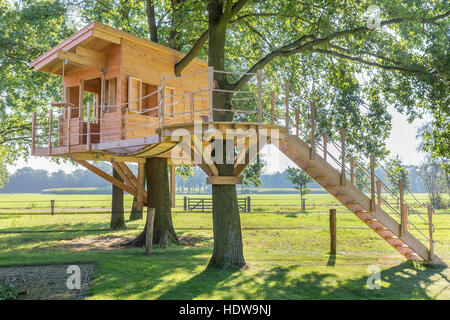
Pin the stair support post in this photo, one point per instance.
(372, 182)
(403, 218)
(286, 103)
(312, 153)
(431, 230)
(50, 130)
(378, 185)
(325, 141)
(343, 178)
(259, 76)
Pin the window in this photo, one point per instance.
(134, 94)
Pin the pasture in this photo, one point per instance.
(287, 251)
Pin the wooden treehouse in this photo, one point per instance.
(121, 102)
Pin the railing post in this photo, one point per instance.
(211, 90)
(50, 129)
(378, 192)
(297, 118)
(272, 107)
(325, 142)
(431, 230)
(312, 153)
(191, 106)
(286, 103)
(372, 182)
(80, 124)
(402, 208)
(343, 178)
(69, 116)
(88, 127)
(259, 76)
(33, 133)
(163, 99)
(352, 170)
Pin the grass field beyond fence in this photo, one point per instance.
(287, 252)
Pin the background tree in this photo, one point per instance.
(3, 175)
(301, 181)
(432, 176)
(252, 174)
(397, 172)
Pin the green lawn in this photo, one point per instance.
(283, 263)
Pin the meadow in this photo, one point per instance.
(287, 251)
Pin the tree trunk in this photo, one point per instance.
(136, 214)
(228, 251)
(117, 210)
(158, 197)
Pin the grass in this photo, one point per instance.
(283, 263)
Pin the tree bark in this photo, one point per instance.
(158, 197)
(228, 250)
(136, 214)
(117, 210)
(151, 20)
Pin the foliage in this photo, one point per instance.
(184, 172)
(433, 179)
(397, 172)
(8, 291)
(252, 174)
(3, 174)
(300, 180)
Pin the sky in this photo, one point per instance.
(402, 142)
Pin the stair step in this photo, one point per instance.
(391, 238)
(370, 220)
(401, 246)
(381, 229)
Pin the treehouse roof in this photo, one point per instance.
(85, 49)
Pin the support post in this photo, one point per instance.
(431, 230)
(272, 107)
(343, 178)
(352, 170)
(50, 130)
(402, 208)
(248, 204)
(297, 119)
(259, 76)
(312, 153)
(80, 124)
(211, 91)
(378, 192)
(163, 100)
(149, 231)
(172, 185)
(286, 103)
(69, 116)
(325, 142)
(372, 182)
(333, 231)
(52, 207)
(185, 203)
(88, 127)
(140, 187)
(33, 133)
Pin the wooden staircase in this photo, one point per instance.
(356, 201)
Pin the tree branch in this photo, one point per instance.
(180, 65)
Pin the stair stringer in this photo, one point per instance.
(324, 174)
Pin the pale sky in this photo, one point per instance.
(402, 141)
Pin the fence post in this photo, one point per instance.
(50, 129)
(149, 231)
(185, 203)
(430, 230)
(286, 103)
(312, 153)
(343, 178)
(248, 204)
(402, 208)
(325, 142)
(372, 182)
(272, 107)
(88, 127)
(33, 133)
(259, 76)
(52, 207)
(211, 90)
(333, 231)
(352, 170)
